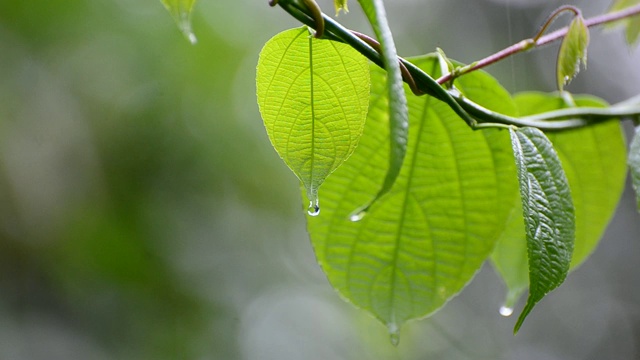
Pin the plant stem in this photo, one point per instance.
(474, 114)
(554, 15)
(527, 44)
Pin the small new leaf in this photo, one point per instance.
(313, 96)
(341, 5)
(573, 51)
(180, 10)
(548, 213)
(634, 164)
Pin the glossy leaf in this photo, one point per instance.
(634, 163)
(573, 51)
(594, 163)
(313, 96)
(180, 10)
(548, 212)
(424, 241)
(398, 113)
(341, 5)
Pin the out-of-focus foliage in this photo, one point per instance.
(632, 25)
(181, 12)
(120, 154)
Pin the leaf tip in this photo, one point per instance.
(341, 5)
(523, 315)
(181, 13)
(394, 333)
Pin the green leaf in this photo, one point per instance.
(622, 4)
(180, 10)
(633, 30)
(548, 212)
(573, 51)
(632, 24)
(424, 241)
(634, 163)
(313, 96)
(341, 5)
(398, 115)
(595, 165)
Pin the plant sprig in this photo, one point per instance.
(472, 113)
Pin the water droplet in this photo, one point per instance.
(192, 38)
(394, 334)
(506, 311)
(314, 208)
(357, 216)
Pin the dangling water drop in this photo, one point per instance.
(394, 334)
(314, 208)
(506, 311)
(510, 302)
(184, 22)
(357, 216)
(192, 38)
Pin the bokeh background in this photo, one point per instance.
(144, 215)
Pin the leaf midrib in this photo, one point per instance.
(414, 159)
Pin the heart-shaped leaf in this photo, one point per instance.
(313, 96)
(422, 242)
(548, 212)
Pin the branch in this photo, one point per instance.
(473, 114)
(527, 44)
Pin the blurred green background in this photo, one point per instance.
(144, 215)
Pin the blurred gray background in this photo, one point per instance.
(144, 215)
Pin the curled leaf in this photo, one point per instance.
(398, 111)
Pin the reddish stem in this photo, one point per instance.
(525, 45)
